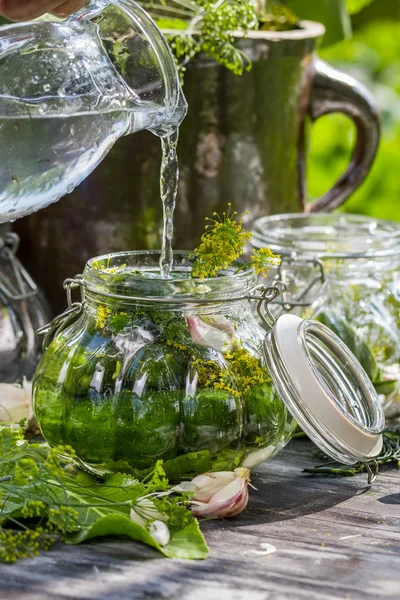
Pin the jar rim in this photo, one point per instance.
(98, 278)
(328, 235)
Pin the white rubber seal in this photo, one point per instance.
(358, 441)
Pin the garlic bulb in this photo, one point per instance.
(15, 401)
(147, 516)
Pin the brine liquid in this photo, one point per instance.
(168, 189)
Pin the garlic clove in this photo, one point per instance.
(159, 532)
(210, 483)
(184, 486)
(224, 501)
(240, 505)
(157, 529)
(206, 335)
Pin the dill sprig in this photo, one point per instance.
(28, 471)
(194, 26)
(262, 260)
(390, 454)
(223, 243)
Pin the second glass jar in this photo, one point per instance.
(343, 270)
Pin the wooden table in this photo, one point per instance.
(334, 538)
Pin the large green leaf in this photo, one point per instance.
(187, 543)
(112, 524)
(332, 13)
(102, 512)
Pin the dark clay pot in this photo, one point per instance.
(243, 141)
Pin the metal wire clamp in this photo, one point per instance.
(60, 322)
(24, 287)
(289, 304)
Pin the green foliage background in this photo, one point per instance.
(373, 56)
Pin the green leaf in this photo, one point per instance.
(112, 524)
(187, 543)
(188, 465)
(386, 387)
(82, 508)
(96, 520)
(168, 24)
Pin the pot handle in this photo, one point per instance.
(334, 91)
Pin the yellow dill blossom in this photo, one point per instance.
(54, 463)
(177, 346)
(246, 367)
(32, 509)
(106, 268)
(63, 519)
(26, 469)
(221, 245)
(262, 260)
(113, 270)
(23, 544)
(211, 374)
(103, 312)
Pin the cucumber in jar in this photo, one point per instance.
(211, 420)
(88, 396)
(148, 406)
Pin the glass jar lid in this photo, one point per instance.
(325, 389)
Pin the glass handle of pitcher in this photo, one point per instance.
(336, 92)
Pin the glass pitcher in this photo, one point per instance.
(70, 89)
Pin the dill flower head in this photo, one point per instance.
(262, 260)
(103, 312)
(221, 245)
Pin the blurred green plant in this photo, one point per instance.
(372, 56)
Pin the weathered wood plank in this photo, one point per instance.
(335, 538)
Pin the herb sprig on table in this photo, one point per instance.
(44, 499)
(389, 455)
